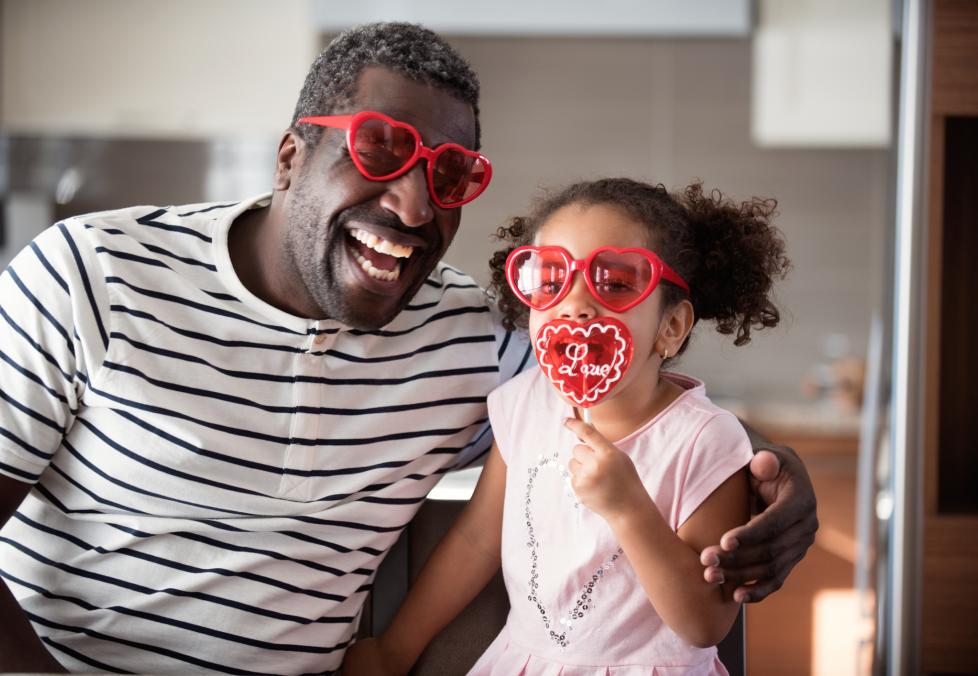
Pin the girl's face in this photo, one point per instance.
(581, 229)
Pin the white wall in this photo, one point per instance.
(152, 68)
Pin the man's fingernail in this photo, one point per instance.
(732, 544)
(721, 579)
(713, 560)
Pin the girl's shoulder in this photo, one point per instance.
(527, 386)
(687, 451)
(525, 407)
(693, 402)
(691, 419)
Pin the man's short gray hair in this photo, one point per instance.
(407, 49)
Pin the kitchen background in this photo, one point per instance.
(108, 103)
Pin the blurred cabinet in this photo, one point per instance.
(822, 73)
(949, 584)
(811, 625)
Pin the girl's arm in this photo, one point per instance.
(667, 563)
(461, 565)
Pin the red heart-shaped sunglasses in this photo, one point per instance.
(383, 148)
(619, 279)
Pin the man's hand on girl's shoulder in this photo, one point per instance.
(757, 557)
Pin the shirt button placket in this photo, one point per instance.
(309, 365)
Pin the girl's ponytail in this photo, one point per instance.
(735, 258)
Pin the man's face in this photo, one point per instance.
(357, 249)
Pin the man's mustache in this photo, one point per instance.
(365, 214)
(359, 213)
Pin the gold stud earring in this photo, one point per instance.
(665, 354)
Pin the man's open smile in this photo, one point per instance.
(379, 256)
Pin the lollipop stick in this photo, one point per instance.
(587, 416)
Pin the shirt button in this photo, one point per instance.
(320, 339)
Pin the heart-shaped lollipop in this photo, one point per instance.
(584, 361)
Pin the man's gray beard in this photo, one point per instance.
(331, 297)
(318, 276)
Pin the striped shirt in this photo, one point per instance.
(215, 480)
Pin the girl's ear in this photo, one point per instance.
(676, 324)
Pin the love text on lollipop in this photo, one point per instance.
(584, 361)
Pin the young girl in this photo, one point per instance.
(598, 526)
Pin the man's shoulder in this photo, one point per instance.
(141, 235)
(195, 220)
(111, 244)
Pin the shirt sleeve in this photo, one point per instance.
(512, 348)
(720, 449)
(499, 418)
(513, 356)
(53, 327)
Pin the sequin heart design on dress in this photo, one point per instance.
(584, 361)
(583, 600)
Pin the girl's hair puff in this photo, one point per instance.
(728, 252)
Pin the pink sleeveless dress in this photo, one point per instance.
(577, 607)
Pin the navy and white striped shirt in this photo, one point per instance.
(217, 480)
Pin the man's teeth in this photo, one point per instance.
(386, 275)
(382, 245)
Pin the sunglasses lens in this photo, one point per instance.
(538, 277)
(620, 278)
(381, 148)
(458, 177)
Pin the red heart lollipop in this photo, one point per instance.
(584, 361)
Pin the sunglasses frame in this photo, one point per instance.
(351, 123)
(660, 271)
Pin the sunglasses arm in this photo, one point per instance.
(332, 121)
(670, 275)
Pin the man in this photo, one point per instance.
(216, 419)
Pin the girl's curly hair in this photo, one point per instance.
(728, 252)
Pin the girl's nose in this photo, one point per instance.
(578, 305)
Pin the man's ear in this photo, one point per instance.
(676, 324)
(288, 159)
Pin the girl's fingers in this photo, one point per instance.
(582, 461)
(587, 434)
(582, 453)
(574, 466)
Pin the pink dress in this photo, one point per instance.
(577, 607)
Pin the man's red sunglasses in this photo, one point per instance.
(383, 148)
(619, 279)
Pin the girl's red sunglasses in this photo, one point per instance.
(619, 279)
(383, 148)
